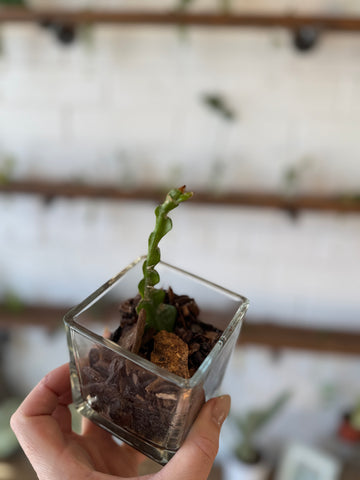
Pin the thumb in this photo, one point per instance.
(196, 456)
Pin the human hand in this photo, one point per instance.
(42, 425)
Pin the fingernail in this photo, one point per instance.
(221, 409)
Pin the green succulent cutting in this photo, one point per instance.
(159, 315)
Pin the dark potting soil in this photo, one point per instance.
(128, 395)
(200, 337)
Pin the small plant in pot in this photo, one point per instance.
(247, 462)
(172, 337)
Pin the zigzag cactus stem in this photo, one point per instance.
(159, 315)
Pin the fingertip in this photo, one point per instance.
(220, 408)
(14, 421)
(196, 456)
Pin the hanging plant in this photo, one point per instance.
(64, 33)
(218, 104)
(184, 4)
(85, 34)
(305, 38)
(293, 175)
(225, 6)
(7, 166)
(12, 302)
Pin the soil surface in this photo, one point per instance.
(199, 337)
(136, 399)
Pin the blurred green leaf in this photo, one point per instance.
(355, 416)
(7, 167)
(8, 441)
(183, 4)
(13, 2)
(218, 104)
(13, 303)
(251, 422)
(225, 6)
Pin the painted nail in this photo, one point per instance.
(221, 409)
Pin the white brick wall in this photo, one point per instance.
(125, 107)
(140, 91)
(301, 272)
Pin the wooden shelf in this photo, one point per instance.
(203, 19)
(314, 339)
(52, 190)
(263, 334)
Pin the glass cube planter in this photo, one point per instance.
(142, 404)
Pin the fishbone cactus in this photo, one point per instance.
(159, 315)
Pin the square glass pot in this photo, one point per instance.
(140, 403)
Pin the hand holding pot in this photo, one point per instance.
(42, 425)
